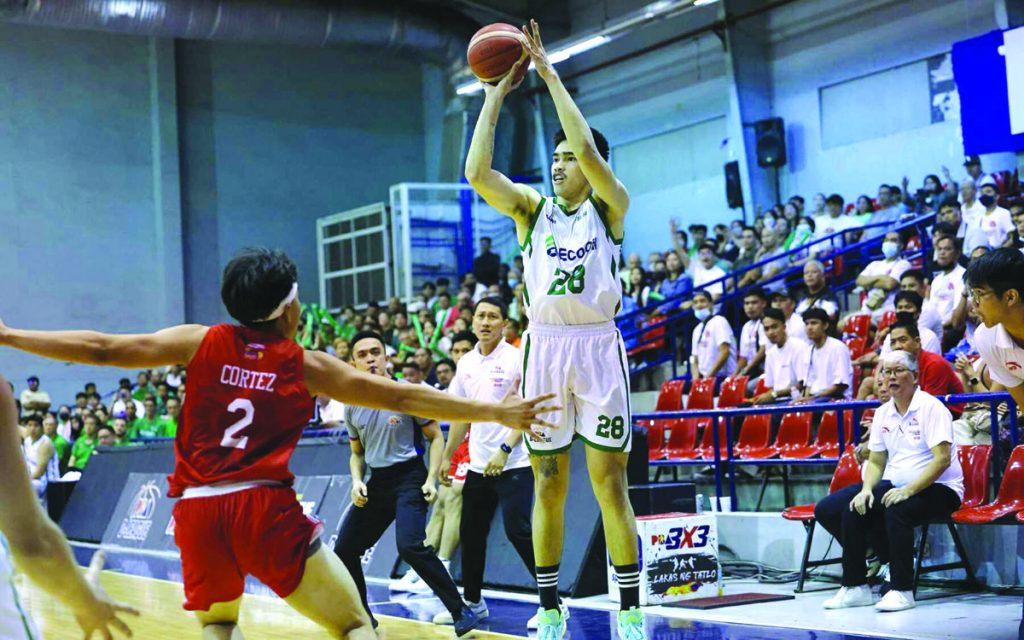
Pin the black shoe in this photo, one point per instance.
(466, 622)
(374, 622)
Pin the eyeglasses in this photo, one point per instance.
(895, 371)
(978, 294)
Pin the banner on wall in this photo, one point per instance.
(989, 72)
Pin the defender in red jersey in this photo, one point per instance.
(251, 395)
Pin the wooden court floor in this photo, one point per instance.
(263, 618)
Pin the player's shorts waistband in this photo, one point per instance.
(224, 489)
(598, 329)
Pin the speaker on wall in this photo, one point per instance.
(771, 142)
(733, 186)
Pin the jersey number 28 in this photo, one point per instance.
(573, 281)
(230, 438)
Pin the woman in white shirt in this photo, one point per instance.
(912, 476)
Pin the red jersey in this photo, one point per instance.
(938, 378)
(246, 408)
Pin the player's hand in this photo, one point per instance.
(862, 502)
(535, 49)
(3, 333)
(429, 490)
(522, 415)
(359, 497)
(764, 398)
(442, 473)
(895, 496)
(496, 465)
(507, 84)
(101, 615)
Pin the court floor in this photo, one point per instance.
(152, 583)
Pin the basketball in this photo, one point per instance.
(493, 51)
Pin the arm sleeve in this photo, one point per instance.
(353, 428)
(898, 269)
(843, 372)
(937, 426)
(996, 368)
(723, 332)
(875, 442)
(456, 388)
(769, 379)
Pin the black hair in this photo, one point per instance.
(906, 322)
(447, 361)
(428, 283)
(464, 336)
(1000, 270)
(944, 229)
(835, 199)
(362, 335)
(101, 427)
(410, 363)
(709, 245)
(950, 204)
(757, 292)
(912, 297)
(698, 227)
(81, 394)
(35, 417)
(815, 313)
(255, 282)
(799, 199)
(704, 294)
(600, 142)
(916, 274)
(443, 294)
(775, 314)
(494, 301)
(443, 282)
(752, 229)
(487, 238)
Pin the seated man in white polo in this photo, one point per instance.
(912, 476)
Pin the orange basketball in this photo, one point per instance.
(494, 50)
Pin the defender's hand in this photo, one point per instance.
(102, 615)
(522, 415)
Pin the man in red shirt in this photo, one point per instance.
(251, 390)
(937, 375)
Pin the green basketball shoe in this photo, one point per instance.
(631, 625)
(550, 624)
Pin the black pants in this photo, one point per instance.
(853, 530)
(481, 495)
(394, 495)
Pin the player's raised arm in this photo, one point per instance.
(517, 201)
(598, 172)
(326, 375)
(37, 545)
(175, 345)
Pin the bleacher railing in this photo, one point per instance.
(677, 320)
(728, 415)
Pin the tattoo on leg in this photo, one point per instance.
(549, 466)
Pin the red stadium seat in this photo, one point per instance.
(754, 434)
(653, 340)
(886, 321)
(974, 460)
(1009, 500)
(794, 433)
(858, 325)
(847, 472)
(826, 443)
(670, 398)
(762, 387)
(707, 441)
(857, 346)
(702, 394)
(733, 393)
(682, 439)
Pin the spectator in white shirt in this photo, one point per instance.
(995, 222)
(968, 234)
(705, 270)
(829, 373)
(784, 302)
(785, 360)
(910, 302)
(912, 476)
(914, 280)
(713, 350)
(816, 292)
(948, 280)
(753, 340)
(881, 278)
(34, 401)
(833, 222)
(971, 210)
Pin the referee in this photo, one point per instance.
(499, 465)
(398, 490)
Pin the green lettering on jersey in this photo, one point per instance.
(574, 281)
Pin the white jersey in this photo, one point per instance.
(570, 262)
(14, 621)
(31, 451)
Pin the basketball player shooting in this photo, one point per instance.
(571, 244)
(251, 390)
(40, 550)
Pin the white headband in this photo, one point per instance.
(279, 311)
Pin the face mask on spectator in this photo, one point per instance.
(987, 201)
(769, 223)
(890, 249)
(702, 314)
(803, 229)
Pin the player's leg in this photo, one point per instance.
(328, 596)
(220, 621)
(551, 488)
(451, 536)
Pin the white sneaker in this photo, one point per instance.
(479, 608)
(411, 581)
(531, 624)
(896, 601)
(850, 597)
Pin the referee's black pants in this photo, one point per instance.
(481, 495)
(394, 495)
(853, 530)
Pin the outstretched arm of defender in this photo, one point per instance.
(326, 375)
(176, 345)
(38, 546)
(598, 172)
(514, 200)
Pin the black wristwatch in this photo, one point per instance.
(506, 448)
(974, 382)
